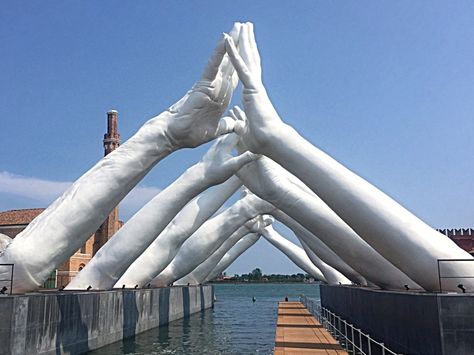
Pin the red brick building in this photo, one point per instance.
(14, 221)
(464, 238)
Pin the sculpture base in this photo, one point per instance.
(408, 323)
(75, 322)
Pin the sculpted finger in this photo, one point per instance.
(228, 125)
(244, 46)
(228, 142)
(268, 219)
(238, 63)
(232, 114)
(239, 161)
(228, 76)
(253, 45)
(225, 82)
(240, 113)
(214, 62)
(252, 222)
(235, 34)
(212, 151)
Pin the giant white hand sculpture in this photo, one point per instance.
(398, 235)
(210, 236)
(238, 249)
(113, 259)
(308, 239)
(271, 182)
(293, 252)
(68, 222)
(199, 274)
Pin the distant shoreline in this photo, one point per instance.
(262, 282)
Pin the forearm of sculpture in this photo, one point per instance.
(273, 183)
(65, 225)
(210, 236)
(398, 235)
(129, 242)
(198, 275)
(332, 276)
(318, 218)
(164, 248)
(322, 250)
(238, 249)
(293, 252)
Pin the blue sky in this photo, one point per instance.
(386, 88)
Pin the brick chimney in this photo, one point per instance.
(111, 224)
(112, 137)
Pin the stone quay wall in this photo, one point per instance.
(75, 322)
(407, 322)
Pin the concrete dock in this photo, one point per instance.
(70, 322)
(298, 332)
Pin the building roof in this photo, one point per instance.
(14, 217)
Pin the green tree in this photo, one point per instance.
(256, 274)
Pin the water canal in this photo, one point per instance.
(236, 325)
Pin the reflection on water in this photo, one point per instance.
(236, 325)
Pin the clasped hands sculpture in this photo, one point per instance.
(400, 237)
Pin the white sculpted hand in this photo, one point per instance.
(263, 119)
(218, 164)
(195, 119)
(263, 176)
(259, 223)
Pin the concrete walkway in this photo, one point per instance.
(298, 332)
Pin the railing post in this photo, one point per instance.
(345, 335)
(369, 344)
(439, 278)
(352, 338)
(11, 281)
(383, 348)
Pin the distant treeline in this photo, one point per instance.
(256, 275)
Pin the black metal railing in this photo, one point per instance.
(352, 339)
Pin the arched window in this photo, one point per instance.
(81, 267)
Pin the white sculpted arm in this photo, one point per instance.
(113, 259)
(317, 246)
(199, 274)
(68, 222)
(164, 248)
(293, 252)
(333, 277)
(238, 249)
(210, 236)
(397, 234)
(273, 183)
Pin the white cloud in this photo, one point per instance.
(46, 191)
(36, 189)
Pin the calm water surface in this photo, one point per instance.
(236, 325)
